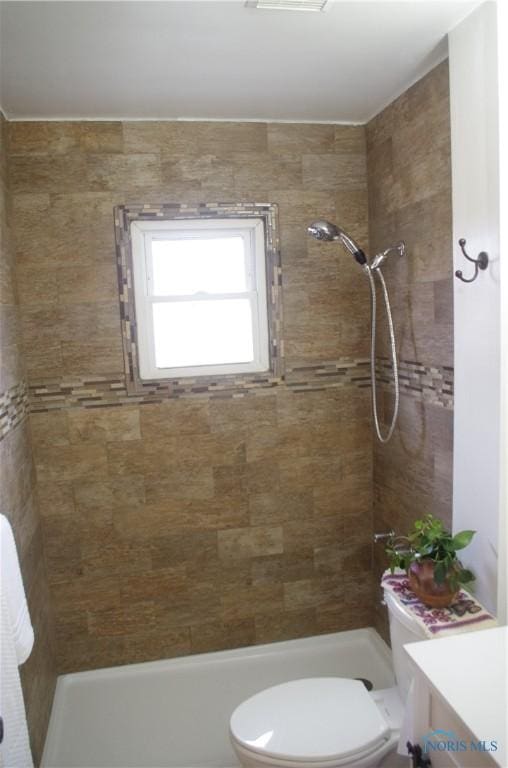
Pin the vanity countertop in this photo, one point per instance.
(470, 673)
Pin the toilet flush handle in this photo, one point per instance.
(383, 536)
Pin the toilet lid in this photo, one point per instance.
(314, 719)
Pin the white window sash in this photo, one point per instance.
(200, 297)
(251, 230)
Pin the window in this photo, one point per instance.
(200, 297)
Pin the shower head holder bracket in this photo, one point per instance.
(399, 249)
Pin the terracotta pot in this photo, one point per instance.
(423, 584)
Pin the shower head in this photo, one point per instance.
(325, 230)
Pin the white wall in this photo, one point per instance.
(475, 171)
(503, 198)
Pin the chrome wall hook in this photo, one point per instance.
(482, 262)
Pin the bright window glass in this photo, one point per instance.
(198, 265)
(207, 333)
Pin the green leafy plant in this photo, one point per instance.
(429, 540)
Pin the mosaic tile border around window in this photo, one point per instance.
(432, 384)
(14, 407)
(124, 215)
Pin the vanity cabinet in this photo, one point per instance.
(462, 691)
(441, 717)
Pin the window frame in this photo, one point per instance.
(223, 385)
(143, 233)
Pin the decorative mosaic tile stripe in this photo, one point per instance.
(336, 373)
(107, 391)
(433, 384)
(77, 392)
(14, 407)
(111, 390)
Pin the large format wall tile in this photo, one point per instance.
(18, 500)
(409, 175)
(231, 514)
(189, 525)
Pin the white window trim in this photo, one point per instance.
(252, 231)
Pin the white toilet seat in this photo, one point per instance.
(255, 760)
(318, 722)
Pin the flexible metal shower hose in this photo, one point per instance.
(382, 438)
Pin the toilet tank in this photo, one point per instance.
(403, 629)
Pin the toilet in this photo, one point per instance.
(328, 722)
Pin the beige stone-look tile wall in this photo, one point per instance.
(68, 176)
(17, 482)
(409, 180)
(195, 524)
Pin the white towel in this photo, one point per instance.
(15, 747)
(11, 587)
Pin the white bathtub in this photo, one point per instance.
(175, 713)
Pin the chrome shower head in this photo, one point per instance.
(326, 231)
(323, 230)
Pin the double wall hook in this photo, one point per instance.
(481, 262)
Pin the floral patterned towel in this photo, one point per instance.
(465, 614)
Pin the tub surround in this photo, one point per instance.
(409, 182)
(18, 499)
(185, 525)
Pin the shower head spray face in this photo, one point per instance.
(326, 231)
(323, 230)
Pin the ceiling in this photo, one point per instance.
(197, 59)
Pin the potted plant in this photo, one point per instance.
(429, 556)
